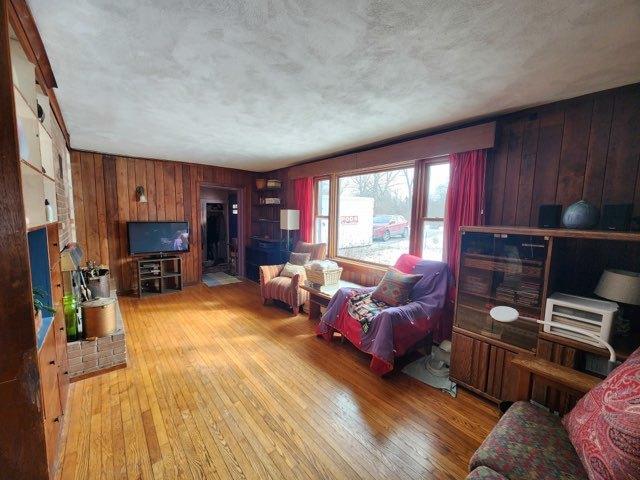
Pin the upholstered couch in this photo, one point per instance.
(598, 439)
(273, 286)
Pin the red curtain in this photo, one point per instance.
(303, 189)
(465, 199)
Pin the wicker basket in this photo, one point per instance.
(323, 277)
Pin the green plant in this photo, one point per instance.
(39, 301)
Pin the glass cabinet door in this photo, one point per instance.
(499, 269)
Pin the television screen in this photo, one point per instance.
(158, 237)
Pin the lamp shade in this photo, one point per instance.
(619, 286)
(289, 219)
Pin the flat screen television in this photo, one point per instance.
(158, 237)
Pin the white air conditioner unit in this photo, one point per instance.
(588, 314)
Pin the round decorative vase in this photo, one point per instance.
(581, 215)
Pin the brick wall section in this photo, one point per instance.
(89, 356)
(96, 354)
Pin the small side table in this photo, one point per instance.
(321, 296)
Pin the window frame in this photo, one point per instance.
(418, 208)
(335, 180)
(316, 207)
(426, 165)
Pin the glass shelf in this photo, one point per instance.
(501, 270)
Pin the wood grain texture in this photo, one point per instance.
(219, 386)
(22, 444)
(587, 147)
(104, 200)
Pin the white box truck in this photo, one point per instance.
(355, 223)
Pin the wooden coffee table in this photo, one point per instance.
(320, 296)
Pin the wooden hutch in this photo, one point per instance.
(521, 267)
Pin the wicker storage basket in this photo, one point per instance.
(323, 277)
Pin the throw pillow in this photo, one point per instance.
(290, 270)
(395, 287)
(604, 426)
(299, 258)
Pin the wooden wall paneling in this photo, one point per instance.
(103, 237)
(141, 180)
(92, 250)
(150, 188)
(512, 176)
(159, 171)
(547, 160)
(78, 203)
(169, 191)
(123, 216)
(497, 186)
(599, 134)
(179, 214)
(193, 220)
(111, 208)
(575, 148)
(527, 170)
(131, 189)
(624, 148)
(186, 192)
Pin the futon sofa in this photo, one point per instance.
(598, 439)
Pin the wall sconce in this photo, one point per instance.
(140, 196)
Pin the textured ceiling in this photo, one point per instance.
(266, 83)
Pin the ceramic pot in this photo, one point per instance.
(581, 215)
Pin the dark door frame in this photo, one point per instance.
(242, 211)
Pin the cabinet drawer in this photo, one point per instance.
(56, 286)
(48, 367)
(52, 427)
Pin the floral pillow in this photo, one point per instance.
(604, 426)
(395, 287)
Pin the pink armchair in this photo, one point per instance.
(285, 289)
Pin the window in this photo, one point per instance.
(433, 220)
(321, 227)
(373, 215)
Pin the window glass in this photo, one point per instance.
(373, 209)
(433, 223)
(437, 190)
(323, 198)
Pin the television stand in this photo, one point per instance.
(158, 275)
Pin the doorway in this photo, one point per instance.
(219, 222)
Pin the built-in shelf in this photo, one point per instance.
(559, 232)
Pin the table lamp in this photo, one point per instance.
(504, 314)
(289, 220)
(623, 287)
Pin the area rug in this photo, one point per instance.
(419, 371)
(216, 279)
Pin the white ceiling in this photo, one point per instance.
(263, 84)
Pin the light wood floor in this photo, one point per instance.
(220, 386)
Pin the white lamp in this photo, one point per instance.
(504, 314)
(289, 220)
(623, 287)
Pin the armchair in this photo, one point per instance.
(285, 289)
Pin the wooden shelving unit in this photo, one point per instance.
(35, 139)
(157, 276)
(520, 267)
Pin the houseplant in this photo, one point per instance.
(40, 305)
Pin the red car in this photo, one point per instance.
(387, 226)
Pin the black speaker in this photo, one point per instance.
(616, 217)
(549, 216)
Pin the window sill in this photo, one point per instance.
(356, 266)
